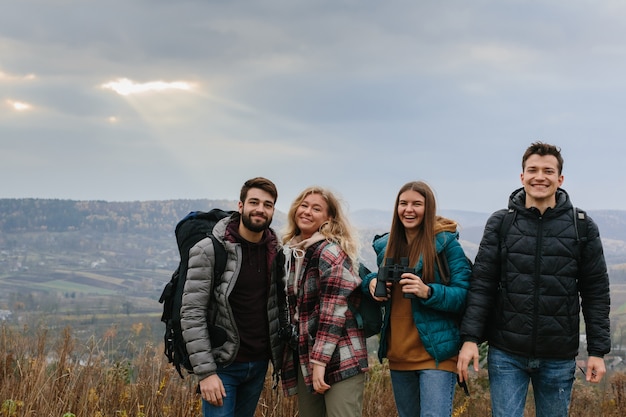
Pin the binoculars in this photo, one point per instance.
(392, 272)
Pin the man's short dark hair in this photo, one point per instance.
(260, 183)
(543, 149)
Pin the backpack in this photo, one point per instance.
(194, 227)
(369, 314)
(580, 223)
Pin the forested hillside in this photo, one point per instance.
(150, 217)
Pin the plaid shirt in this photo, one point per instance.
(328, 332)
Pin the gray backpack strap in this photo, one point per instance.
(580, 227)
(580, 224)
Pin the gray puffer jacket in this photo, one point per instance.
(533, 309)
(198, 305)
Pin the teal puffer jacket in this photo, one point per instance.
(437, 318)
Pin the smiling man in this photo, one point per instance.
(246, 306)
(529, 282)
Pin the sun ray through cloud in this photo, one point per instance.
(126, 87)
(19, 106)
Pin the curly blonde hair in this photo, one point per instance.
(337, 229)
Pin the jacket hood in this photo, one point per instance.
(517, 201)
(443, 224)
(380, 243)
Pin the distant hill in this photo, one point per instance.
(99, 247)
(158, 218)
(152, 217)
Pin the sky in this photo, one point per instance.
(127, 100)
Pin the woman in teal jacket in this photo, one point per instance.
(423, 304)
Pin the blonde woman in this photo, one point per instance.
(327, 360)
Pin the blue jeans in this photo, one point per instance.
(427, 393)
(509, 376)
(243, 382)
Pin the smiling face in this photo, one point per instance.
(541, 179)
(257, 210)
(411, 207)
(311, 214)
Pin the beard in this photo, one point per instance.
(253, 225)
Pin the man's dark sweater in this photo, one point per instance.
(248, 299)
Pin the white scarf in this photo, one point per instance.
(295, 249)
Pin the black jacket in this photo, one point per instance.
(533, 309)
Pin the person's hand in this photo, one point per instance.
(468, 353)
(372, 288)
(595, 369)
(319, 385)
(412, 284)
(212, 390)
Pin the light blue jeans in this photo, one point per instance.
(509, 376)
(427, 393)
(243, 382)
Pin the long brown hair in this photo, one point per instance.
(424, 242)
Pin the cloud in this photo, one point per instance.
(126, 87)
(6, 77)
(156, 99)
(19, 105)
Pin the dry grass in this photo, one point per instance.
(55, 375)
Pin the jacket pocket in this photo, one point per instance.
(217, 335)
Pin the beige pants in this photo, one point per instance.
(343, 399)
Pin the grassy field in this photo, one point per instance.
(88, 352)
(52, 373)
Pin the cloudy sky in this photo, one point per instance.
(125, 100)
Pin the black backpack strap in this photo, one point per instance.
(505, 226)
(444, 267)
(507, 221)
(363, 272)
(220, 258)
